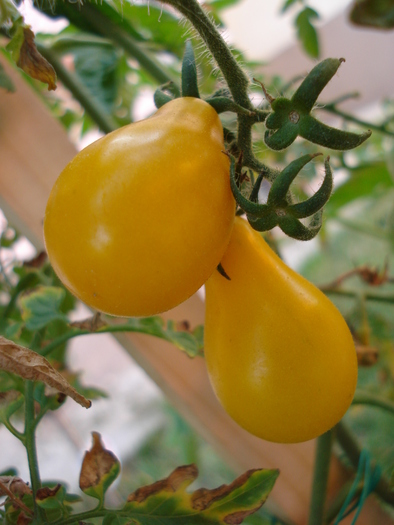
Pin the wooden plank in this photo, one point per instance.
(33, 150)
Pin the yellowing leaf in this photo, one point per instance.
(30, 365)
(100, 468)
(27, 57)
(167, 500)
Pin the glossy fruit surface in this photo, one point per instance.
(280, 356)
(140, 219)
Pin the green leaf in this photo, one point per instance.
(307, 33)
(42, 306)
(373, 13)
(167, 500)
(5, 81)
(217, 5)
(365, 181)
(96, 66)
(287, 4)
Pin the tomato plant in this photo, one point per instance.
(279, 354)
(138, 221)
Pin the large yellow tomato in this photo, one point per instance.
(280, 356)
(139, 220)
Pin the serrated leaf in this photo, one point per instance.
(306, 31)
(100, 468)
(42, 306)
(167, 500)
(30, 365)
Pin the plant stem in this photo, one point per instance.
(362, 397)
(236, 78)
(320, 478)
(30, 444)
(84, 96)
(350, 118)
(350, 446)
(353, 294)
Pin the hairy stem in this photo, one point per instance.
(234, 75)
(320, 478)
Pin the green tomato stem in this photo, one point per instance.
(31, 449)
(320, 478)
(91, 105)
(331, 108)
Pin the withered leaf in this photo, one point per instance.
(33, 63)
(229, 504)
(180, 477)
(28, 364)
(14, 485)
(37, 262)
(47, 492)
(91, 323)
(100, 468)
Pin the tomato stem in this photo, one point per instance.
(320, 478)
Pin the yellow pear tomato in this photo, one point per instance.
(138, 221)
(280, 356)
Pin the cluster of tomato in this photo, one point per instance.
(140, 220)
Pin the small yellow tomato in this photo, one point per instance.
(280, 356)
(139, 220)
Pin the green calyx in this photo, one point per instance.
(291, 118)
(279, 210)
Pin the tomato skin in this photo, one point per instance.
(138, 221)
(279, 354)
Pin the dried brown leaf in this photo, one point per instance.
(30, 365)
(37, 261)
(33, 63)
(47, 492)
(23, 519)
(14, 485)
(97, 464)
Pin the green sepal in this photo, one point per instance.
(263, 224)
(258, 210)
(281, 108)
(315, 203)
(307, 93)
(189, 73)
(295, 229)
(283, 138)
(160, 98)
(315, 131)
(281, 185)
